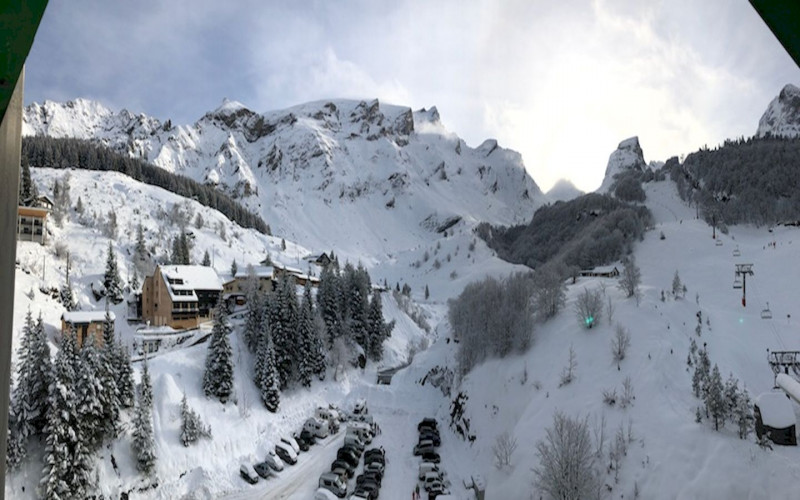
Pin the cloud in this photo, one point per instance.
(561, 82)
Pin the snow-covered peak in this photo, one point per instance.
(782, 117)
(311, 168)
(627, 156)
(563, 190)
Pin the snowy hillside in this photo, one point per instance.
(313, 169)
(627, 156)
(782, 117)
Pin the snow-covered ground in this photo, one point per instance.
(671, 456)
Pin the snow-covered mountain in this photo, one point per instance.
(563, 190)
(312, 168)
(627, 156)
(782, 117)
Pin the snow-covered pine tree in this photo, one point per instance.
(206, 256)
(378, 330)
(140, 251)
(702, 372)
(234, 267)
(107, 374)
(192, 427)
(290, 314)
(715, 399)
(358, 303)
(218, 375)
(111, 279)
(20, 427)
(68, 461)
(269, 379)
(123, 372)
(89, 386)
(318, 365)
(677, 286)
(282, 338)
(328, 303)
(743, 414)
(66, 295)
(730, 395)
(255, 317)
(305, 337)
(27, 189)
(143, 442)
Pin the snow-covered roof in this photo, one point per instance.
(602, 269)
(776, 410)
(284, 267)
(187, 279)
(76, 317)
(259, 271)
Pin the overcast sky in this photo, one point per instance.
(562, 82)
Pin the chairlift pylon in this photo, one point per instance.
(766, 313)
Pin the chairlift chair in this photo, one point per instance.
(718, 243)
(736, 252)
(737, 283)
(766, 313)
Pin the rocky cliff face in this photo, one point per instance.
(782, 117)
(627, 156)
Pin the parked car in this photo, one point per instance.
(274, 462)
(360, 407)
(303, 444)
(368, 459)
(308, 437)
(318, 427)
(263, 469)
(291, 442)
(427, 422)
(364, 492)
(334, 483)
(434, 485)
(325, 494)
(424, 446)
(426, 467)
(430, 478)
(348, 456)
(248, 474)
(432, 436)
(352, 440)
(355, 449)
(341, 464)
(369, 476)
(431, 456)
(377, 467)
(286, 453)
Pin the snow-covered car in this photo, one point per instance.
(274, 462)
(324, 494)
(319, 428)
(424, 446)
(286, 453)
(308, 437)
(333, 483)
(431, 456)
(426, 467)
(375, 466)
(360, 407)
(427, 423)
(263, 469)
(248, 474)
(291, 442)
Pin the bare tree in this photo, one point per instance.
(599, 431)
(566, 468)
(549, 290)
(504, 446)
(620, 343)
(568, 374)
(631, 277)
(627, 393)
(610, 310)
(589, 307)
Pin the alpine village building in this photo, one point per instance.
(180, 297)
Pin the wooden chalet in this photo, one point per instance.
(85, 323)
